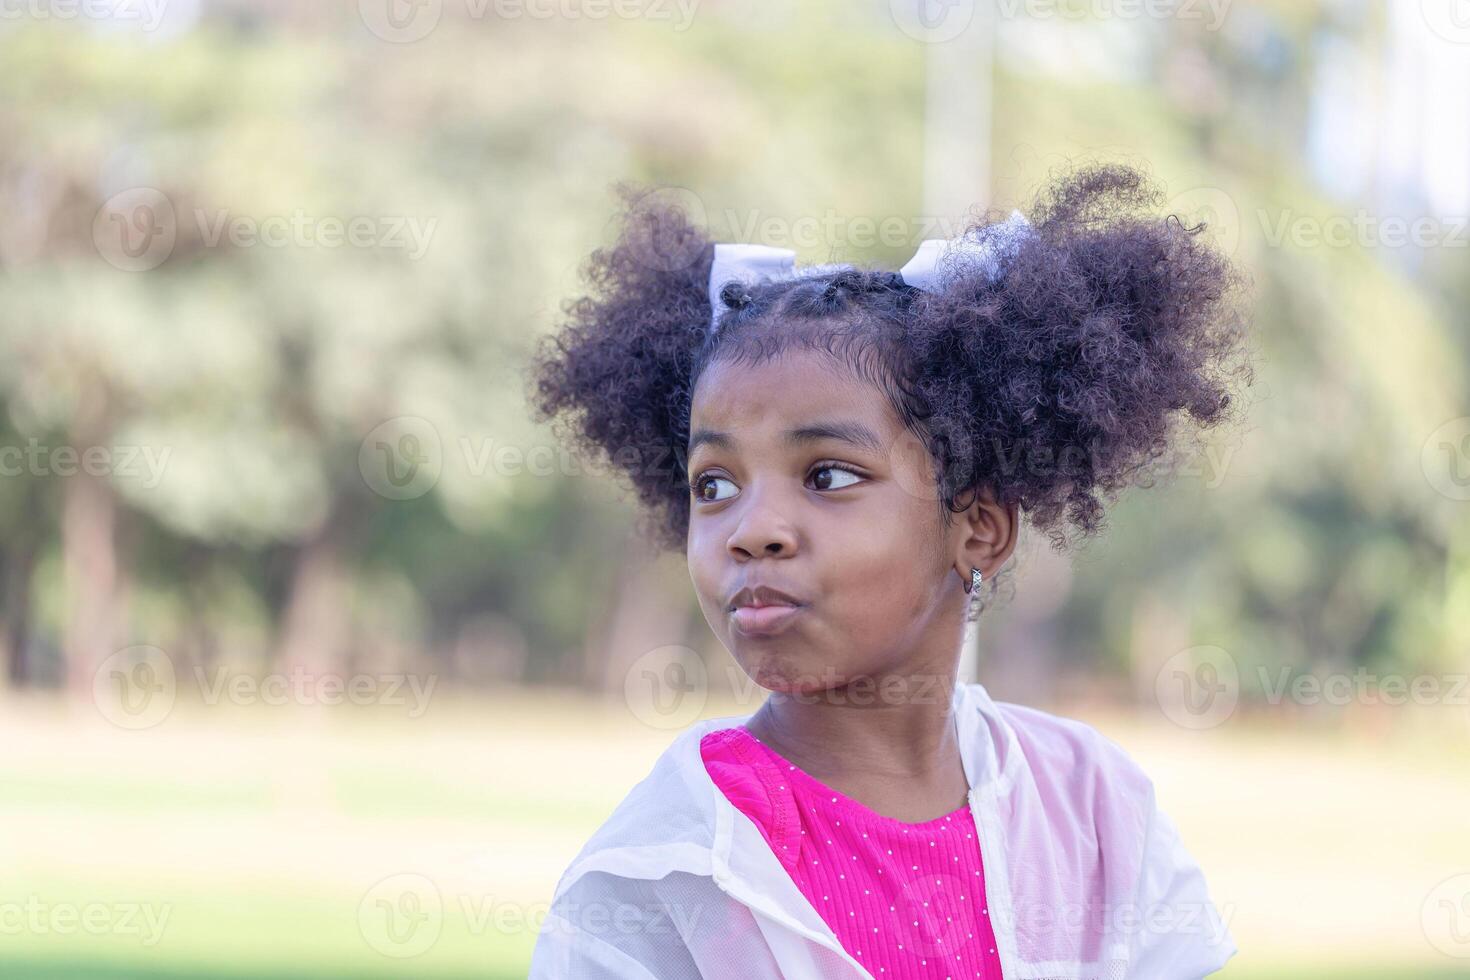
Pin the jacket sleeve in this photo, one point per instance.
(565, 950)
(1178, 934)
(605, 927)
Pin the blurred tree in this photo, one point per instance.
(258, 364)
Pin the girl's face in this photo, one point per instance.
(806, 482)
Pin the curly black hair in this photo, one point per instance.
(1110, 331)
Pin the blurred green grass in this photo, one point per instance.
(263, 831)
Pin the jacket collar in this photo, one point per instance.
(725, 845)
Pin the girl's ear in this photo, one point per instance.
(986, 534)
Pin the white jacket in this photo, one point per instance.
(1086, 878)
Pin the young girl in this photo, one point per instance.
(844, 456)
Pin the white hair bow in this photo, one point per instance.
(936, 263)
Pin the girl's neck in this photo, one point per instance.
(890, 745)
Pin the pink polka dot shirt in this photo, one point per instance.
(907, 900)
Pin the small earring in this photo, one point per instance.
(975, 579)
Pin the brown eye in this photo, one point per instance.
(827, 483)
(701, 484)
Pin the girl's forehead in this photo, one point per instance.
(779, 406)
(792, 386)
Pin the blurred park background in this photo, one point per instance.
(321, 660)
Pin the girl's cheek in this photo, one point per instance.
(706, 571)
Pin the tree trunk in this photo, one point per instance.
(89, 558)
(20, 564)
(314, 623)
(647, 612)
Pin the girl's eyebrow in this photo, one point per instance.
(842, 430)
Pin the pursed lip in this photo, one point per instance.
(763, 610)
(760, 596)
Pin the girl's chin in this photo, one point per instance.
(780, 675)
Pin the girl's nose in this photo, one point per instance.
(762, 532)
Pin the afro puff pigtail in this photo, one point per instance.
(1111, 330)
(615, 376)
